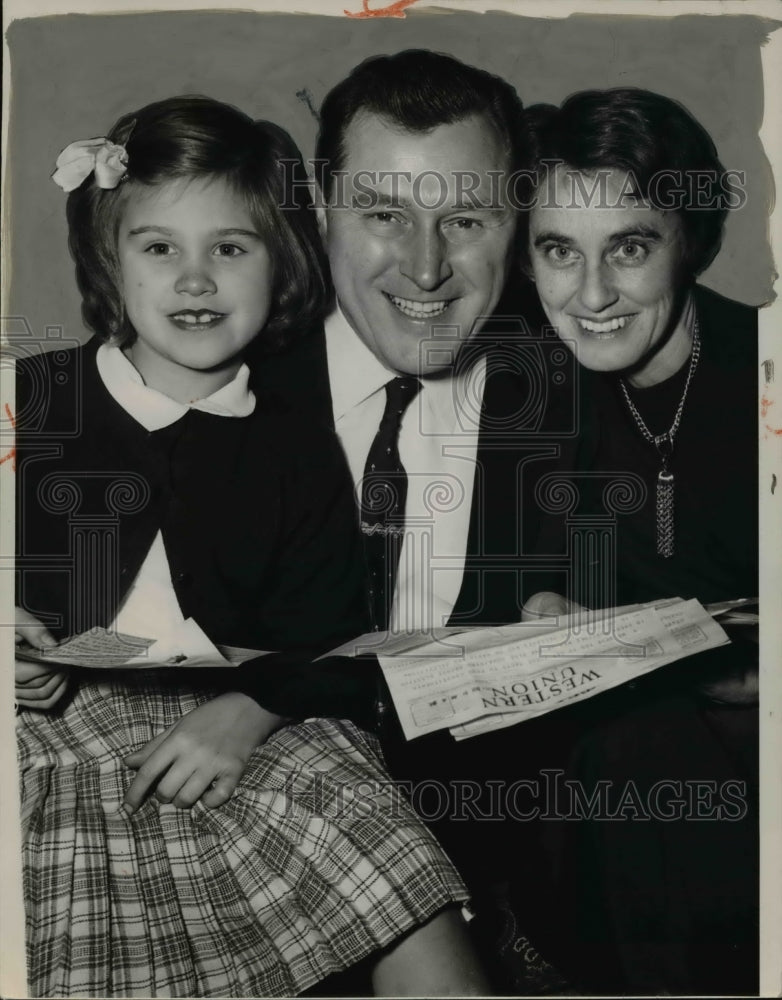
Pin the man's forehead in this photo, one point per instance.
(374, 141)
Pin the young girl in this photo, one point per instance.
(246, 857)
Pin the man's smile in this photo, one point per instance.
(414, 309)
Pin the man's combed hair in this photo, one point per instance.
(654, 139)
(197, 137)
(417, 90)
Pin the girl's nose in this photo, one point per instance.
(597, 290)
(195, 281)
(425, 260)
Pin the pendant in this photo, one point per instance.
(665, 513)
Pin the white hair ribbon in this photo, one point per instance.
(77, 161)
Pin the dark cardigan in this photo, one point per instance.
(257, 517)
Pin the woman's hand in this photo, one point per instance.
(206, 751)
(738, 683)
(36, 684)
(740, 687)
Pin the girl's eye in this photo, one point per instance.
(229, 250)
(383, 218)
(160, 249)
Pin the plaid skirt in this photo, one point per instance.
(315, 862)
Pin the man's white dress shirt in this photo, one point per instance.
(438, 442)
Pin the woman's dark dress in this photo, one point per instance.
(651, 904)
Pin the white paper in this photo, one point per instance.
(517, 672)
(186, 645)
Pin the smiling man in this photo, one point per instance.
(414, 253)
(422, 163)
(420, 158)
(418, 151)
(417, 155)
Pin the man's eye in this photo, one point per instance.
(463, 229)
(388, 225)
(229, 250)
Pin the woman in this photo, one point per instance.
(630, 204)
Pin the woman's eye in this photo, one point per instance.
(228, 250)
(631, 251)
(560, 254)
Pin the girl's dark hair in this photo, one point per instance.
(191, 137)
(652, 138)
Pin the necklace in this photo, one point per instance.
(664, 445)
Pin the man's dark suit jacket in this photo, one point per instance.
(528, 411)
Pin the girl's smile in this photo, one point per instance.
(197, 283)
(196, 319)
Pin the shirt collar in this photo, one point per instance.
(355, 374)
(154, 410)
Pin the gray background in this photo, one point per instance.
(74, 75)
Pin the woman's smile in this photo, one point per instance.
(604, 327)
(608, 276)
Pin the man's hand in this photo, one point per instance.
(206, 751)
(546, 604)
(37, 685)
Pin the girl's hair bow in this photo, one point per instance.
(77, 161)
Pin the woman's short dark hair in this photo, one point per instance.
(417, 90)
(669, 156)
(191, 137)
